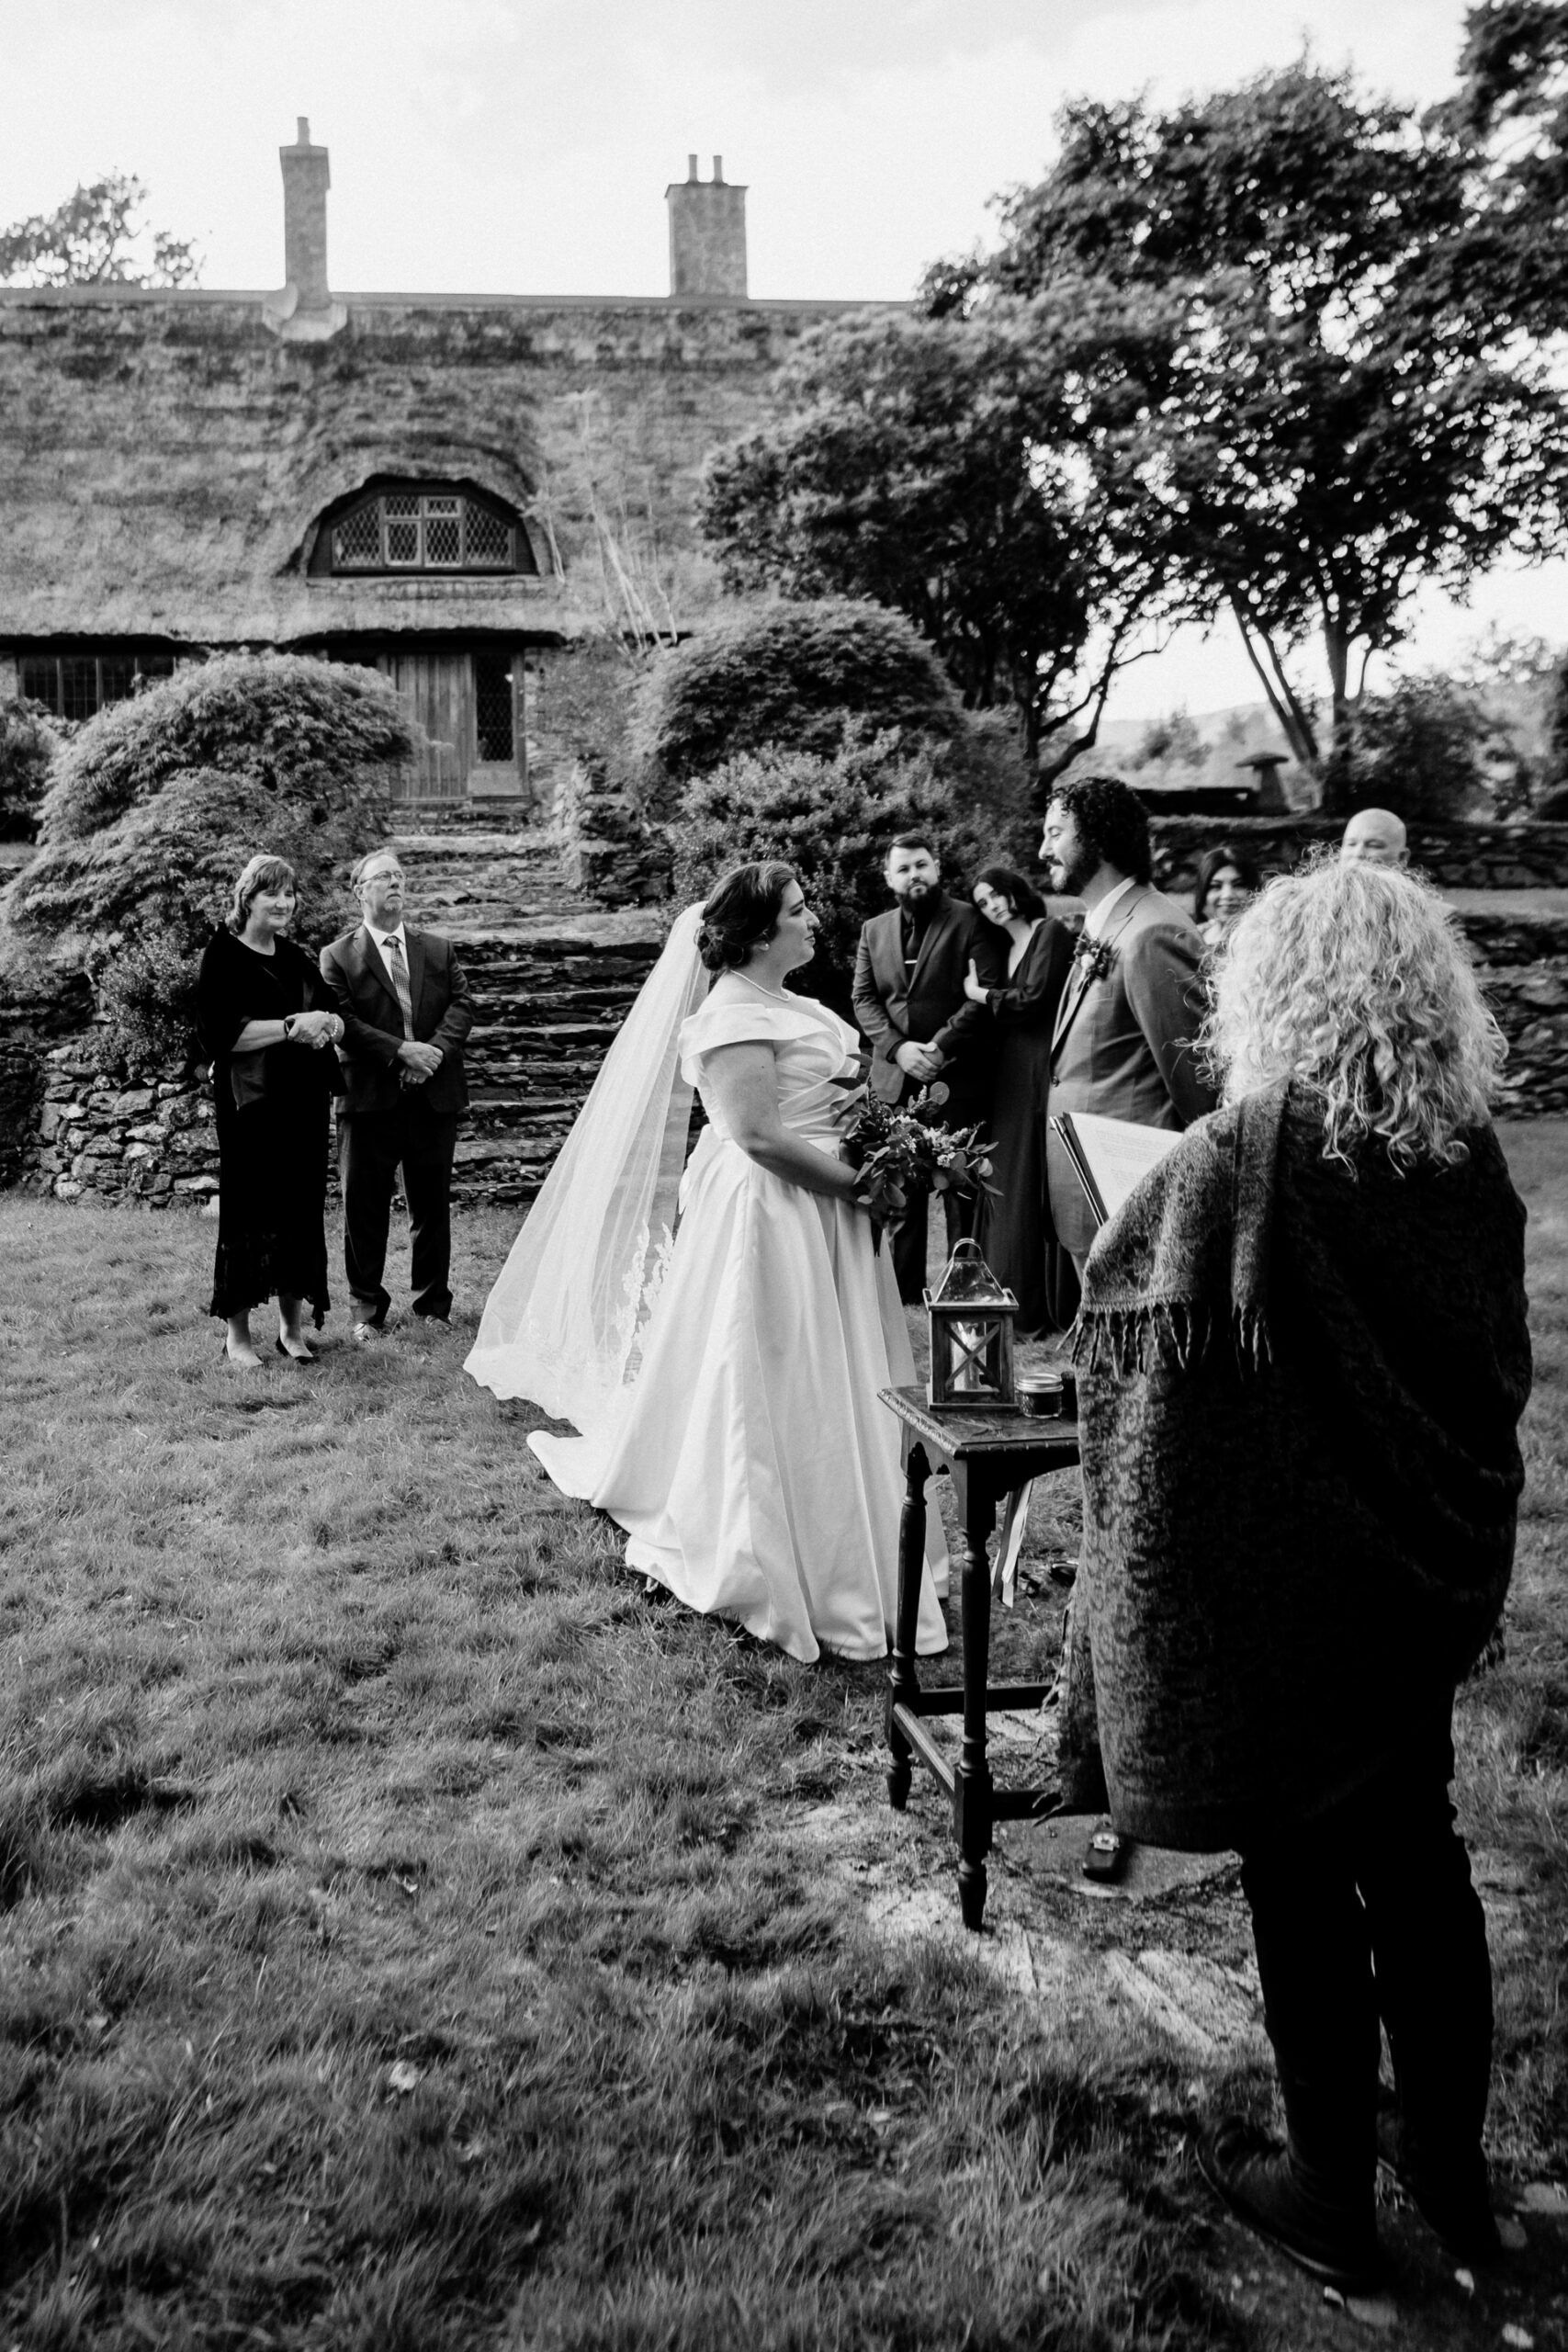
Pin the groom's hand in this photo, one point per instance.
(918, 1061)
(420, 1061)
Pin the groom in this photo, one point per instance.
(406, 1011)
(909, 1001)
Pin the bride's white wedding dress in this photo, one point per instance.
(744, 1450)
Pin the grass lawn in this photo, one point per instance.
(412, 1936)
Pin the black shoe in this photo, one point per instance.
(1456, 2202)
(1254, 2176)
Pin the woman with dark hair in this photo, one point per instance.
(1303, 1354)
(1227, 882)
(1016, 1232)
(264, 1015)
(719, 1336)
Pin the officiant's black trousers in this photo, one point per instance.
(371, 1147)
(1368, 1911)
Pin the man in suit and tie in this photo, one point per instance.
(909, 1001)
(1124, 1041)
(406, 1010)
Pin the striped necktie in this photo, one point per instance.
(393, 950)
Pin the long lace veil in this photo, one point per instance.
(563, 1323)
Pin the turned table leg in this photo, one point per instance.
(903, 1688)
(972, 1785)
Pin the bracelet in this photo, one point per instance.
(289, 1021)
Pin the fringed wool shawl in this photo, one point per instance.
(1299, 1385)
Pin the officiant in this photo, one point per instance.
(1123, 1043)
(909, 1001)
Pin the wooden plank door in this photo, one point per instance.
(437, 691)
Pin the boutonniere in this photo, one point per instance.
(1096, 955)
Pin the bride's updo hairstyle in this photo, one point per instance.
(741, 912)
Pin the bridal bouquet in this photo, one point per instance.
(902, 1151)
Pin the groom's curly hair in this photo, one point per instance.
(1113, 821)
(740, 912)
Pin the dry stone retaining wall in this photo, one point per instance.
(553, 976)
(1457, 858)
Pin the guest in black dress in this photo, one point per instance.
(1016, 1233)
(265, 1016)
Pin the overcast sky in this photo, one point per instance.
(523, 146)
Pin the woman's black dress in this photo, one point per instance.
(1016, 1232)
(272, 1154)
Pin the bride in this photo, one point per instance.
(724, 1380)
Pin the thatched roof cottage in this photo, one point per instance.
(448, 487)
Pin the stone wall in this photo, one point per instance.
(152, 1144)
(1457, 858)
(553, 976)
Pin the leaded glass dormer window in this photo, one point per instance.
(413, 529)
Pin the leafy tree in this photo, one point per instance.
(1422, 748)
(1338, 425)
(803, 674)
(1173, 741)
(94, 238)
(831, 816)
(972, 468)
(1511, 111)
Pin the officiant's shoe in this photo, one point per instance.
(366, 1334)
(1454, 2200)
(1263, 2189)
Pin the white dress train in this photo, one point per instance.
(749, 1461)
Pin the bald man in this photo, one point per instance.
(1374, 837)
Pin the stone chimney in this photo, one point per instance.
(304, 310)
(708, 237)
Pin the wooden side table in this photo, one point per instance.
(988, 1456)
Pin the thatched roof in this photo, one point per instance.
(164, 457)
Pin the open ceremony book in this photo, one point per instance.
(1109, 1156)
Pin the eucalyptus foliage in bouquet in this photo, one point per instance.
(902, 1151)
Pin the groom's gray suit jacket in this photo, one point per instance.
(1123, 1043)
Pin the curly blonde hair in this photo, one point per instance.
(1354, 981)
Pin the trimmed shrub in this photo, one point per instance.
(831, 818)
(803, 674)
(141, 838)
(27, 744)
(320, 732)
(169, 867)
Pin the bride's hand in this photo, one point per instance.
(972, 987)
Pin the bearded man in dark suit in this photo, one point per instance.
(909, 1001)
(1123, 1043)
(406, 1010)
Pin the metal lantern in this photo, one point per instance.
(971, 1316)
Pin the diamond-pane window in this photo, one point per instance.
(357, 538)
(490, 538)
(406, 530)
(442, 531)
